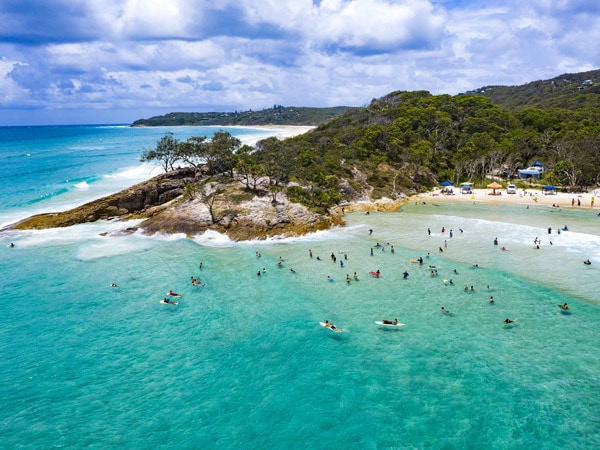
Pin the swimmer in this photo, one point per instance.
(564, 306)
(115, 285)
(258, 273)
(390, 322)
(12, 244)
(450, 281)
(504, 249)
(445, 311)
(292, 270)
(587, 262)
(405, 274)
(491, 300)
(347, 278)
(355, 276)
(495, 241)
(507, 320)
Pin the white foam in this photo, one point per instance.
(211, 238)
(83, 186)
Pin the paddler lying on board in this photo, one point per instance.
(328, 324)
(390, 322)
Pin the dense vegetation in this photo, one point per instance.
(278, 115)
(406, 142)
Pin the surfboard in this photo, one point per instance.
(379, 322)
(414, 260)
(169, 303)
(335, 330)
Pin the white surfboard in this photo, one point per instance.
(379, 322)
(335, 330)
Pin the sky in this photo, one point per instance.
(115, 61)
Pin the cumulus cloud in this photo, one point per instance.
(239, 54)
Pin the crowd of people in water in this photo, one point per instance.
(342, 256)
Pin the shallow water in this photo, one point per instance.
(243, 363)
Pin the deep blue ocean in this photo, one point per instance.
(242, 362)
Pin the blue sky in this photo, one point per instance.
(114, 61)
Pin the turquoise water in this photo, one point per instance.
(243, 363)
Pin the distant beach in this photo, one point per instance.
(281, 131)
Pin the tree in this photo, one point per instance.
(221, 151)
(193, 151)
(247, 166)
(165, 152)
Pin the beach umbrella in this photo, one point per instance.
(494, 186)
(445, 183)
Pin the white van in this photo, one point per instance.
(511, 189)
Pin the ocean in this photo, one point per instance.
(242, 361)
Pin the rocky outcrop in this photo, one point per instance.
(140, 200)
(222, 205)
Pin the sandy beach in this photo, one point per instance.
(281, 131)
(522, 197)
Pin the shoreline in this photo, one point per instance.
(522, 197)
(281, 132)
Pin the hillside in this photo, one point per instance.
(278, 115)
(568, 91)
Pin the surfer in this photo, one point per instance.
(507, 320)
(328, 324)
(587, 262)
(174, 294)
(115, 285)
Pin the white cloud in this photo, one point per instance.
(239, 54)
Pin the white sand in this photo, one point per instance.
(527, 197)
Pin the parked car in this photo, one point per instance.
(511, 189)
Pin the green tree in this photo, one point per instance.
(221, 151)
(193, 151)
(165, 152)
